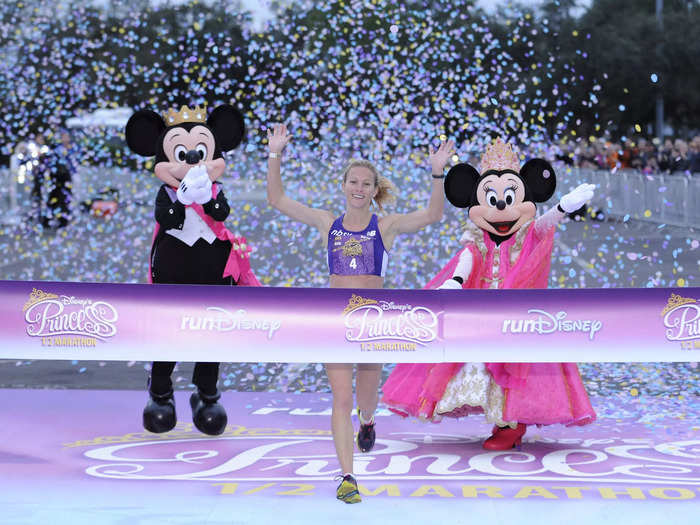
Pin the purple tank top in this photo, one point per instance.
(356, 253)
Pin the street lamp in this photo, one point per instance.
(659, 95)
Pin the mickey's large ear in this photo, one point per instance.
(460, 184)
(142, 132)
(538, 176)
(228, 126)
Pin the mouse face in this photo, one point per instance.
(500, 207)
(182, 140)
(503, 197)
(185, 146)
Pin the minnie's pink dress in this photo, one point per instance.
(507, 393)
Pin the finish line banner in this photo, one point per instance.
(141, 322)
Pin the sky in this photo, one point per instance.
(261, 13)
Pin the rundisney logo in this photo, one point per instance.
(372, 323)
(67, 315)
(547, 323)
(228, 321)
(683, 323)
(308, 457)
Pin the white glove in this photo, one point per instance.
(464, 265)
(184, 192)
(463, 269)
(450, 284)
(203, 189)
(195, 187)
(576, 198)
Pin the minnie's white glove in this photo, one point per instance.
(450, 284)
(576, 198)
(462, 270)
(464, 265)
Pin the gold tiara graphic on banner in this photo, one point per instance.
(36, 297)
(675, 301)
(356, 302)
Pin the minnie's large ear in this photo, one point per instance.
(460, 185)
(539, 178)
(142, 132)
(228, 126)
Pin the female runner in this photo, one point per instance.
(362, 186)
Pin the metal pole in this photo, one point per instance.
(659, 95)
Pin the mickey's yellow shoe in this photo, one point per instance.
(347, 490)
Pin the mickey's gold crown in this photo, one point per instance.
(675, 301)
(173, 118)
(356, 301)
(36, 297)
(499, 156)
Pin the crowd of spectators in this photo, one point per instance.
(647, 156)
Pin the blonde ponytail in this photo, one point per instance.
(386, 192)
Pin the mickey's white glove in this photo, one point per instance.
(195, 187)
(576, 198)
(202, 187)
(185, 191)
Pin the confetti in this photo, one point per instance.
(381, 91)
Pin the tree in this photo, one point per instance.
(616, 46)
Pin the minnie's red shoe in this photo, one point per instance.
(505, 438)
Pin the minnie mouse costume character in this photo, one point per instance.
(191, 244)
(508, 248)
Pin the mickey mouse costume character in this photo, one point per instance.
(506, 248)
(191, 244)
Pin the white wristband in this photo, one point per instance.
(273, 155)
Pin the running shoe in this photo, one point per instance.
(366, 435)
(347, 490)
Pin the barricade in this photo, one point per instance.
(660, 198)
